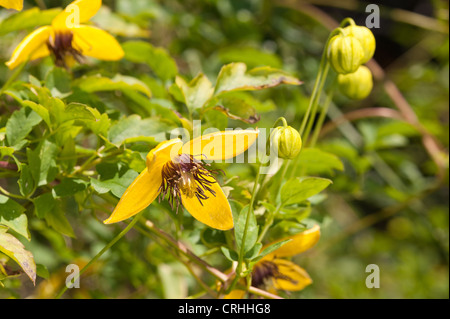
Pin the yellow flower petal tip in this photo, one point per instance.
(221, 145)
(12, 4)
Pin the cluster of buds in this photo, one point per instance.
(352, 47)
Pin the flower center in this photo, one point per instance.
(188, 176)
(266, 270)
(62, 49)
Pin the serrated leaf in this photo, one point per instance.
(14, 249)
(12, 215)
(298, 190)
(234, 77)
(20, 125)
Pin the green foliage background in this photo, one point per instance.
(65, 165)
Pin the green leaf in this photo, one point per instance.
(28, 19)
(44, 204)
(12, 215)
(58, 221)
(229, 254)
(26, 181)
(69, 187)
(58, 82)
(14, 249)
(39, 109)
(135, 126)
(252, 230)
(236, 108)
(318, 162)
(20, 125)
(157, 59)
(298, 190)
(42, 163)
(234, 77)
(269, 249)
(195, 93)
(252, 57)
(254, 252)
(97, 83)
(117, 183)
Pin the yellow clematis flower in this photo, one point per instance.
(67, 40)
(275, 273)
(12, 4)
(176, 171)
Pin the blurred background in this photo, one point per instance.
(389, 206)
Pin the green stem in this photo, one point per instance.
(13, 77)
(315, 107)
(101, 252)
(244, 235)
(322, 116)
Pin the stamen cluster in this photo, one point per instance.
(188, 176)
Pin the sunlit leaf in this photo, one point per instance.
(14, 249)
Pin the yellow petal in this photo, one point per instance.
(295, 278)
(79, 11)
(141, 193)
(215, 211)
(96, 43)
(12, 4)
(40, 52)
(299, 243)
(30, 46)
(145, 188)
(221, 145)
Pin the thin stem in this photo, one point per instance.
(322, 116)
(305, 135)
(101, 252)
(13, 77)
(244, 235)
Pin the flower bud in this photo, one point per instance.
(345, 53)
(357, 85)
(365, 38)
(287, 141)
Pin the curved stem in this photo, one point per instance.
(101, 252)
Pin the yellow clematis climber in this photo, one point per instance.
(176, 171)
(67, 40)
(12, 4)
(275, 273)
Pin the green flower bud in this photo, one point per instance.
(365, 38)
(357, 85)
(287, 141)
(345, 53)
